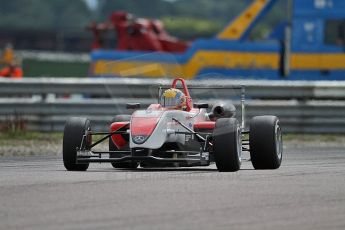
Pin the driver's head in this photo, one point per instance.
(173, 99)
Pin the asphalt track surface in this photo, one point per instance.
(307, 192)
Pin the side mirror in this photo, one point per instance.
(201, 105)
(133, 105)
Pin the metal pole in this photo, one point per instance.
(243, 98)
(287, 40)
(159, 94)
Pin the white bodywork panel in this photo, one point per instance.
(166, 127)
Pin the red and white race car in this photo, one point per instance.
(176, 133)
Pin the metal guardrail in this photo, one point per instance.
(303, 107)
(311, 117)
(128, 88)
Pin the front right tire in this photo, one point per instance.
(74, 130)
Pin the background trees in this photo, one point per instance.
(184, 18)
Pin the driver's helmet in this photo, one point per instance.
(173, 99)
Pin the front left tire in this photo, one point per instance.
(227, 145)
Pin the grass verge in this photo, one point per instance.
(7, 136)
(50, 144)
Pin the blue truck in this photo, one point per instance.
(309, 45)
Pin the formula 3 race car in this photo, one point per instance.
(176, 133)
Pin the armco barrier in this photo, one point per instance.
(128, 88)
(303, 107)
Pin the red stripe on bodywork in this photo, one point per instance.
(143, 125)
(155, 107)
(204, 125)
(118, 140)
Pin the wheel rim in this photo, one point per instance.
(278, 142)
(239, 144)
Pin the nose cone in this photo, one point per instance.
(142, 128)
(139, 139)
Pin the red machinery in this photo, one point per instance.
(137, 34)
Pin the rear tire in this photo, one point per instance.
(227, 145)
(112, 146)
(265, 140)
(73, 133)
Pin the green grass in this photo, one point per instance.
(17, 135)
(35, 68)
(31, 136)
(314, 137)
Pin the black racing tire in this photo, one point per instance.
(74, 130)
(112, 146)
(265, 142)
(227, 145)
